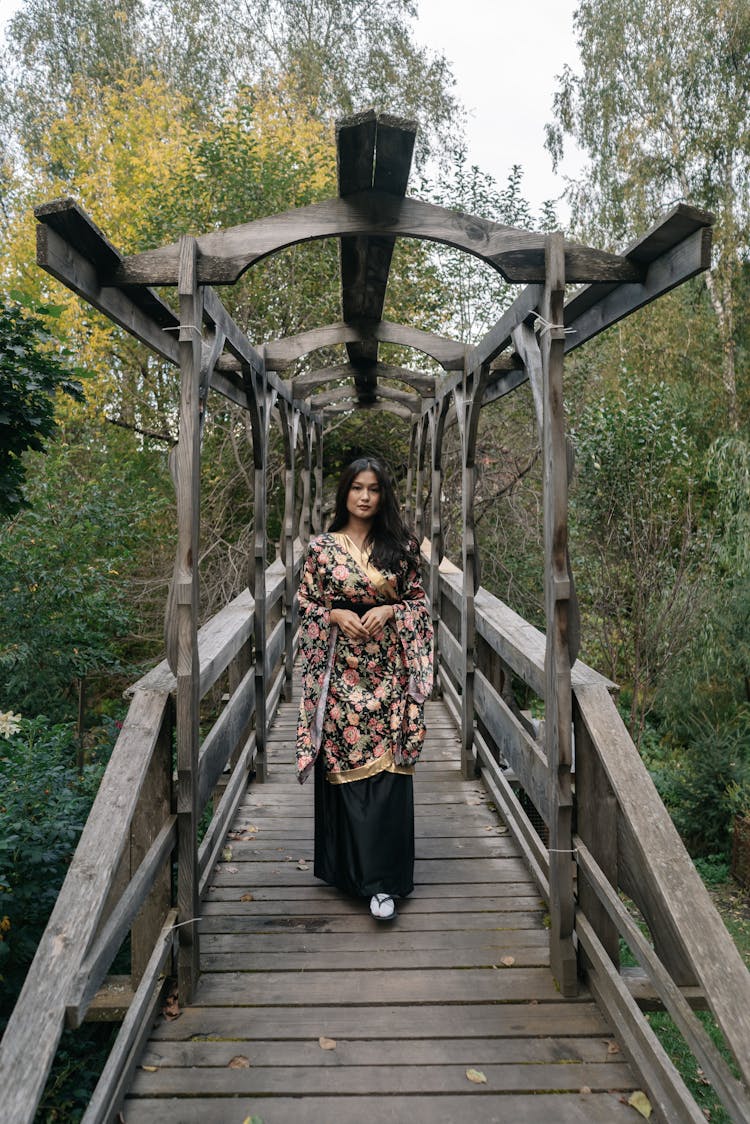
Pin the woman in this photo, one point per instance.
(366, 644)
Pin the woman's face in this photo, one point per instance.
(363, 499)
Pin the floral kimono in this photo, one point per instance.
(362, 705)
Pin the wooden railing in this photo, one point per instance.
(120, 878)
(624, 847)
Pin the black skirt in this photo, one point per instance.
(364, 834)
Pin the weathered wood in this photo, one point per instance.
(182, 628)
(421, 1052)
(152, 812)
(486, 1108)
(655, 869)
(213, 840)
(113, 933)
(231, 727)
(119, 1066)
(279, 354)
(379, 158)
(732, 1095)
(666, 1089)
(518, 255)
(596, 822)
(74, 251)
(36, 1023)
(422, 383)
(557, 586)
(507, 803)
(516, 747)
(677, 248)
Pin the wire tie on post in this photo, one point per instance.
(562, 850)
(547, 326)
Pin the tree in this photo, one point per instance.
(30, 375)
(633, 520)
(332, 56)
(662, 107)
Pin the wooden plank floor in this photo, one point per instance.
(460, 980)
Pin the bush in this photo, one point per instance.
(44, 803)
(706, 782)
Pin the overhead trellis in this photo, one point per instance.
(528, 343)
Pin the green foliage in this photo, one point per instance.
(30, 374)
(67, 608)
(632, 516)
(706, 782)
(44, 802)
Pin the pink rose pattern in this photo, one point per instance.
(360, 699)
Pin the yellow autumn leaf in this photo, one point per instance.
(246, 898)
(226, 855)
(476, 1076)
(640, 1102)
(239, 1062)
(150, 1068)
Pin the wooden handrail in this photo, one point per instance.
(626, 843)
(101, 896)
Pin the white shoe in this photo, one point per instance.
(382, 906)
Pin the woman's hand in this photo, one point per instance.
(376, 619)
(350, 624)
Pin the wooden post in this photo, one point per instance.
(150, 816)
(305, 518)
(410, 468)
(437, 428)
(318, 507)
(184, 622)
(419, 519)
(557, 588)
(260, 403)
(289, 425)
(596, 821)
(468, 405)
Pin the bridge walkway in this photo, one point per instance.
(307, 1009)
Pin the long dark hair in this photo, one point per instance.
(389, 538)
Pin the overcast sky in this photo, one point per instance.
(505, 55)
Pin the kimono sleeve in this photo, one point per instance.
(412, 617)
(315, 637)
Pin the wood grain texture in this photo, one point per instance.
(281, 353)
(518, 255)
(459, 980)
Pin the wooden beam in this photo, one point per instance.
(449, 353)
(516, 254)
(73, 250)
(591, 310)
(424, 384)
(373, 152)
(377, 407)
(383, 393)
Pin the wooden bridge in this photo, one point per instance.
(498, 993)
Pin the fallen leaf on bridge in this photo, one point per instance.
(239, 1062)
(508, 961)
(640, 1102)
(226, 855)
(150, 1068)
(476, 1076)
(327, 1043)
(613, 1048)
(246, 898)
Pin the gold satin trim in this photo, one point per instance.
(384, 764)
(362, 559)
